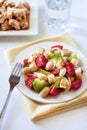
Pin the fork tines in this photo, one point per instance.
(17, 69)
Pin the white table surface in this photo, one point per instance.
(16, 117)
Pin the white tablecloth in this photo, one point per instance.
(16, 117)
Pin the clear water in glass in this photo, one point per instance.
(58, 13)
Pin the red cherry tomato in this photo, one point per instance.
(29, 81)
(41, 61)
(82, 71)
(54, 91)
(55, 72)
(70, 69)
(25, 62)
(57, 46)
(76, 84)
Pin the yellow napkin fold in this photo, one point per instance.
(39, 110)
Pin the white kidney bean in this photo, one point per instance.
(51, 78)
(62, 72)
(33, 67)
(65, 58)
(75, 61)
(41, 76)
(26, 70)
(44, 92)
(78, 72)
(50, 65)
(60, 64)
(65, 52)
(31, 59)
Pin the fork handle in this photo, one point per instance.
(5, 105)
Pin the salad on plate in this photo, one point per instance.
(50, 72)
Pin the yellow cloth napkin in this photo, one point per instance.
(39, 110)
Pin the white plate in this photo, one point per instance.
(62, 97)
(33, 21)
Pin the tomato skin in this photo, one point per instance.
(25, 62)
(82, 71)
(55, 72)
(29, 81)
(70, 69)
(76, 84)
(54, 91)
(57, 46)
(41, 61)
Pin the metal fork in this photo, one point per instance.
(13, 80)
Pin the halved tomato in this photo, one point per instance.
(57, 46)
(25, 62)
(41, 61)
(55, 72)
(76, 84)
(54, 91)
(29, 81)
(70, 69)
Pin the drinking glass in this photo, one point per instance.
(58, 13)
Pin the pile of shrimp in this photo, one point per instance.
(14, 16)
